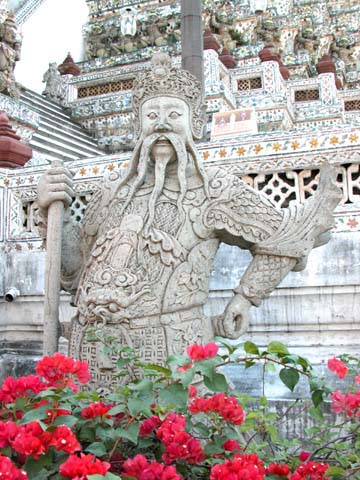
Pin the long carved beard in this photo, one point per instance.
(141, 162)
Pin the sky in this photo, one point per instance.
(48, 35)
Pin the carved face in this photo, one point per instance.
(166, 115)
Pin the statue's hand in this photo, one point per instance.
(235, 320)
(55, 184)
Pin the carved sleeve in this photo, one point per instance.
(278, 239)
(239, 214)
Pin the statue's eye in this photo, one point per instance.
(174, 115)
(152, 116)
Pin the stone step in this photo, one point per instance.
(64, 144)
(58, 117)
(67, 134)
(52, 153)
(45, 105)
(58, 137)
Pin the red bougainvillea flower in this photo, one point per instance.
(149, 425)
(139, 468)
(310, 471)
(63, 439)
(350, 403)
(9, 471)
(192, 391)
(227, 407)
(201, 352)
(79, 467)
(304, 456)
(183, 446)
(281, 470)
(31, 440)
(172, 424)
(338, 367)
(96, 409)
(231, 445)
(8, 432)
(184, 368)
(357, 379)
(56, 370)
(22, 387)
(242, 467)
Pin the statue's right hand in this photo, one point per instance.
(56, 184)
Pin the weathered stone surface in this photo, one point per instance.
(140, 266)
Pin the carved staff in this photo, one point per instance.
(52, 273)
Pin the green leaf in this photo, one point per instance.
(34, 467)
(277, 347)
(175, 394)
(334, 471)
(316, 413)
(117, 409)
(225, 343)
(67, 420)
(217, 383)
(145, 385)
(251, 348)
(36, 414)
(317, 397)
(157, 368)
(97, 448)
(249, 364)
(108, 476)
(130, 433)
(140, 405)
(289, 377)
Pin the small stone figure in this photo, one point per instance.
(139, 265)
(55, 88)
(10, 46)
(306, 39)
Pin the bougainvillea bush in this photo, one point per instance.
(178, 421)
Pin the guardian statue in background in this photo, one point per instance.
(139, 265)
(10, 47)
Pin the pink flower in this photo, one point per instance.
(9, 471)
(338, 367)
(56, 370)
(357, 379)
(80, 467)
(304, 456)
(338, 402)
(231, 445)
(139, 468)
(96, 409)
(279, 469)
(242, 467)
(202, 352)
(192, 391)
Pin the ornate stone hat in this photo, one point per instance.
(164, 80)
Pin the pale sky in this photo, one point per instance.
(48, 35)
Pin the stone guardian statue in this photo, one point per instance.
(140, 263)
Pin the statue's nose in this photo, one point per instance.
(162, 126)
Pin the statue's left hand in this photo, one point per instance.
(235, 320)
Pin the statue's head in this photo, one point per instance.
(10, 29)
(168, 96)
(168, 113)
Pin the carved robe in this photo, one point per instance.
(147, 285)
